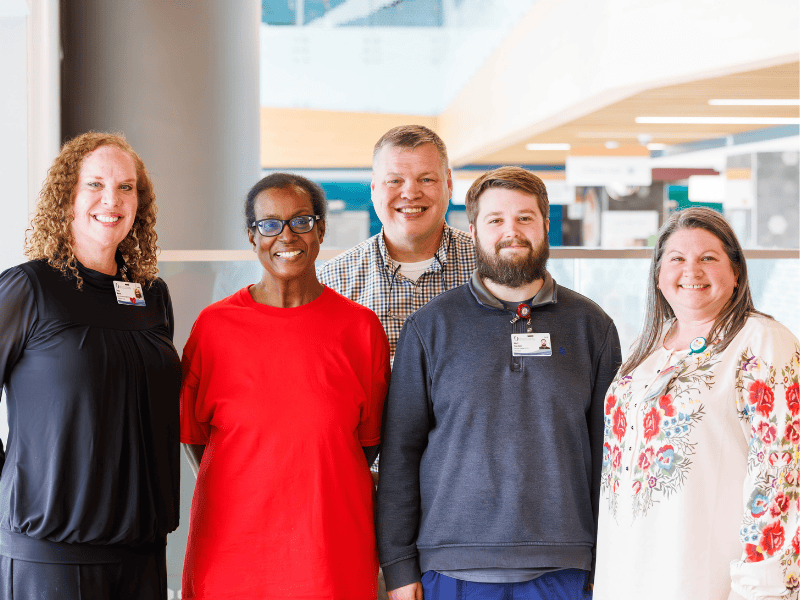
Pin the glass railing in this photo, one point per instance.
(615, 279)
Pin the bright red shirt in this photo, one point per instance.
(284, 399)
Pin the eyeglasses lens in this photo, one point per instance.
(301, 224)
(273, 227)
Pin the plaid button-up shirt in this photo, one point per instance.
(369, 276)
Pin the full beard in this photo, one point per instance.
(510, 272)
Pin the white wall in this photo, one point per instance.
(44, 93)
(29, 114)
(13, 137)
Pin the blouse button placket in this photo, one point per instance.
(636, 414)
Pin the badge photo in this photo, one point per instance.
(531, 344)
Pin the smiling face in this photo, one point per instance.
(288, 255)
(510, 237)
(696, 277)
(105, 201)
(411, 189)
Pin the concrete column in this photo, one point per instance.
(180, 80)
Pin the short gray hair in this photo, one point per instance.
(410, 137)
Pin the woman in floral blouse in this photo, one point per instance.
(699, 491)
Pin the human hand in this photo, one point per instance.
(412, 591)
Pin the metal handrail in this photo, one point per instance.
(560, 252)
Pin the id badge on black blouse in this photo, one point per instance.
(129, 293)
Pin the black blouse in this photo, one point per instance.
(92, 385)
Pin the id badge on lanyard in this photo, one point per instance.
(529, 343)
(668, 375)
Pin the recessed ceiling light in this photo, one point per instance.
(754, 102)
(612, 145)
(656, 146)
(547, 146)
(719, 120)
(618, 135)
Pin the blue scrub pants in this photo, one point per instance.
(567, 584)
(136, 578)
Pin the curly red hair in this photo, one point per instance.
(50, 233)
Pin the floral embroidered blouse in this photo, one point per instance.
(699, 491)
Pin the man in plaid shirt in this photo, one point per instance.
(416, 256)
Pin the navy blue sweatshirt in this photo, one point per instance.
(491, 460)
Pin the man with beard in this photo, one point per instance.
(493, 446)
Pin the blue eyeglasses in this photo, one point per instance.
(273, 227)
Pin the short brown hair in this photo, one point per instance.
(50, 234)
(410, 137)
(507, 178)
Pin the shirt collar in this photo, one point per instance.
(441, 253)
(546, 295)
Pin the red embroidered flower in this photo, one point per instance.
(793, 432)
(793, 398)
(665, 404)
(761, 395)
(791, 477)
(766, 432)
(779, 505)
(620, 423)
(772, 538)
(796, 541)
(753, 555)
(616, 457)
(644, 461)
(611, 402)
(637, 486)
(651, 421)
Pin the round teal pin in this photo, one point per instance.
(697, 345)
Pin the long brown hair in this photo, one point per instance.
(50, 233)
(732, 317)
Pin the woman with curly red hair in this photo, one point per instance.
(699, 487)
(90, 478)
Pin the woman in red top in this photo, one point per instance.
(284, 383)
